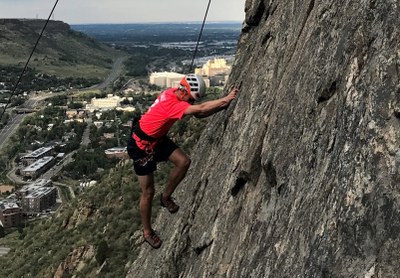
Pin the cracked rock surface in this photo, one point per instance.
(300, 176)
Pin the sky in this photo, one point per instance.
(124, 11)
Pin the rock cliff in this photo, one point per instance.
(300, 176)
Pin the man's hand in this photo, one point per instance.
(231, 96)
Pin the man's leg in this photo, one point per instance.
(147, 186)
(182, 163)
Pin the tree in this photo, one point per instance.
(102, 252)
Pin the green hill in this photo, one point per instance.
(98, 233)
(97, 226)
(61, 51)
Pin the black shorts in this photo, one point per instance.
(143, 164)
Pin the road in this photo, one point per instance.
(10, 128)
(115, 72)
(15, 120)
(86, 134)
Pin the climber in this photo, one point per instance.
(149, 143)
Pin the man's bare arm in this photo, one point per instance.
(208, 108)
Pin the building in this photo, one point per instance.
(214, 67)
(110, 102)
(36, 155)
(76, 114)
(39, 167)
(38, 196)
(10, 214)
(120, 153)
(216, 71)
(6, 188)
(166, 79)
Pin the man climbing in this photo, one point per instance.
(149, 143)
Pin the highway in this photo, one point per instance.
(10, 128)
(32, 102)
(16, 119)
(115, 72)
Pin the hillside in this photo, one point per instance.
(61, 51)
(98, 233)
(69, 242)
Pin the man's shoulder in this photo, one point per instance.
(170, 95)
(170, 91)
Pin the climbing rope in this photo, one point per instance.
(27, 62)
(198, 39)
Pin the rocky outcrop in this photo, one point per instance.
(75, 261)
(55, 26)
(81, 214)
(300, 176)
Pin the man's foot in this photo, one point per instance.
(153, 239)
(169, 204)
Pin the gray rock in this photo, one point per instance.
(300, 176)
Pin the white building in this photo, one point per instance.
(110, 102)
(166, 79)
(217, 66)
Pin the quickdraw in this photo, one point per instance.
(149, 151)
(143, 161)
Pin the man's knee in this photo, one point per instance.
(180, 159)
(185, 163)
(147, 186)
(148, 192)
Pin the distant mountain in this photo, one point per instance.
(61, 51)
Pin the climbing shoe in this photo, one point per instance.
(169, 204)
(153, 240)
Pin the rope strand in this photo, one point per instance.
(198, 39)
(27, 62)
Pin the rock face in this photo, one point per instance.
(35, 24)
(75, 261)
(300, 176)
